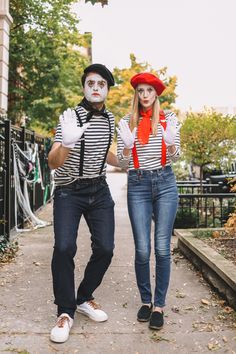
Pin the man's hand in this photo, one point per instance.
(71, 133)
(125, 134)
(172, 128)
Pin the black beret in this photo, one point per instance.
(101, 70)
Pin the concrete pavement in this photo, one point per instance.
(196, 320)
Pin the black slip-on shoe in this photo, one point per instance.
(144, 313)
(156, 320)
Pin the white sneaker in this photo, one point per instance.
(91, 309)
(60, 333)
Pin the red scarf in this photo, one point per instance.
(144, 127)
(144, 130)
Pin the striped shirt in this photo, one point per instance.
(149, 155)
(96, 138)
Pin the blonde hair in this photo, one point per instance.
(135, 115)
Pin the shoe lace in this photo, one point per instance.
(61, 321)
(94, 305)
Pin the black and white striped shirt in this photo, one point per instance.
(96, 139)
(149, 155)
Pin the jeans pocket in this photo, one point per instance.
(103, 183)
(168, 176)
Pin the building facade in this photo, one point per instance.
(5, 23)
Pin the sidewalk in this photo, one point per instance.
(196, 321)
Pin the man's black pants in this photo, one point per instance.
(92, 199)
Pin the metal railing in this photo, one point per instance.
(196, 188)
(20, 136)
(207, 186)
(204, 210)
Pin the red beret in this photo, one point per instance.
(149, 79)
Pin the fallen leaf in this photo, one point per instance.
(205, 302)
(214, 345)
(158, 338)
(228, 309)
(189, 308)
(215, 234)
(180, 295)
(175, 309)
(221, 302)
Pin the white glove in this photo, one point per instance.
(125, 134)
(172, 128)
(71, 133)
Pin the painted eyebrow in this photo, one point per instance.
(100, 81)
(142, 89)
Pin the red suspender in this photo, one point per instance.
(163, 148)
(135, 157)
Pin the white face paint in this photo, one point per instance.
(147, 95)
(95, 88)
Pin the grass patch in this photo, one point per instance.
(202, 233)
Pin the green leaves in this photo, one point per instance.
(42, 76)
(208, 138)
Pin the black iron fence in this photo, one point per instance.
(196, 188)
(207, 186)
(204, 210)
(39, 193)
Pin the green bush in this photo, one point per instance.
(186, 218)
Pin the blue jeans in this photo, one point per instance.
(152, 194)
(92, 199)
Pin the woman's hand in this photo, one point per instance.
(125, 134)
(172, 128)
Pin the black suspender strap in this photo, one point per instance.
(108, 146)
(82, 142)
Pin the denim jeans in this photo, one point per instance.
(152, 194)
(92, 199)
